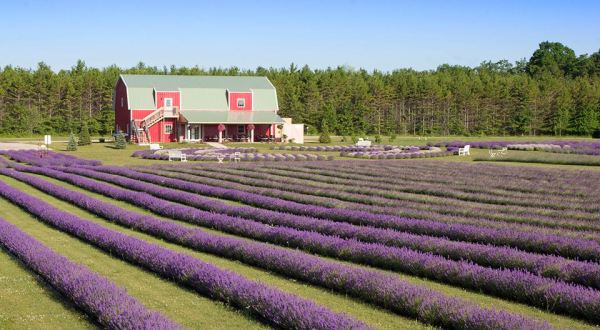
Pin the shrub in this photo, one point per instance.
(120, 142)
(377, 138)
(84, 135)
(72, 144)
(101, 140)
(324, 138)
(354, 138)
(596, 134)
(393, 137)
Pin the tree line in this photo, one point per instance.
(555, 92)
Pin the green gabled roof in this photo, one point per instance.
(232, 117)
(199, 92)
(174, 83)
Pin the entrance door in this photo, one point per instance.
(195, 132)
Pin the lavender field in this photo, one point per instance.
(342, 244)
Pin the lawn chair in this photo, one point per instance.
(220, 158)
(237, 156)
(466, 151)
(177, 154)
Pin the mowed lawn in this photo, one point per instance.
(33, 304)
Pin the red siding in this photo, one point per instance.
(160, 98)
(140, 114)
(121, 112)
(234, 96)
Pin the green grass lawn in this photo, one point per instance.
(379, 319)
(27, 302)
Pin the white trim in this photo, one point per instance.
(180, 101)
(165, 103)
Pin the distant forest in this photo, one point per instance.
(555, 92)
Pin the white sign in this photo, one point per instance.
(47, 139)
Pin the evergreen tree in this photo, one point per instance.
(84, 135)
(324, 137)
(72, 144)
(120, 142)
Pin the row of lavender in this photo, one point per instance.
(344, 148)
(246, 157)
(46, 158)
(359, 195)
(106, 304)
(273, 306)
(402, 154)
(192, 151)
(383, 290)
(560, 146)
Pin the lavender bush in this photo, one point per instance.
(510, 284)
(100, 298)
(383, 290)
(528, 241)
(270, 305)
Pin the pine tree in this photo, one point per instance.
(120, 142)
(84, 135)
(324, 138)
(72, 144)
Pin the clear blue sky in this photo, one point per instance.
(381, 35)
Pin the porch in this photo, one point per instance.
(231, 132)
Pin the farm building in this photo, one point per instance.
(168, 108)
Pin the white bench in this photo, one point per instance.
(155, 146)
(501, 152)
(464, 151)
(177, 154)
(363, 143)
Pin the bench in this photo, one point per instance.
(501, 152)
(155, 146)
(464, 151)
(177, 154)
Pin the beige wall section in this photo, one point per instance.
(292, 131)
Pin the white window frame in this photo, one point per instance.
(165, 103)
(238, 102)
(170, 130)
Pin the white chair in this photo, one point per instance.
(177, 154)
(236, 156)
(363, 143)
(464, 151)
(220, 157)
(155, 146)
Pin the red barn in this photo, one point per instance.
(168, 108)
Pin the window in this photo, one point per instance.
(168, 128)
(121, 102)
(241, 129)
(241, 102)
(168, 103)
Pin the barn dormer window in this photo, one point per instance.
(168, 103)
(241, 103)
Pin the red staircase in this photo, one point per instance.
(141, 127)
